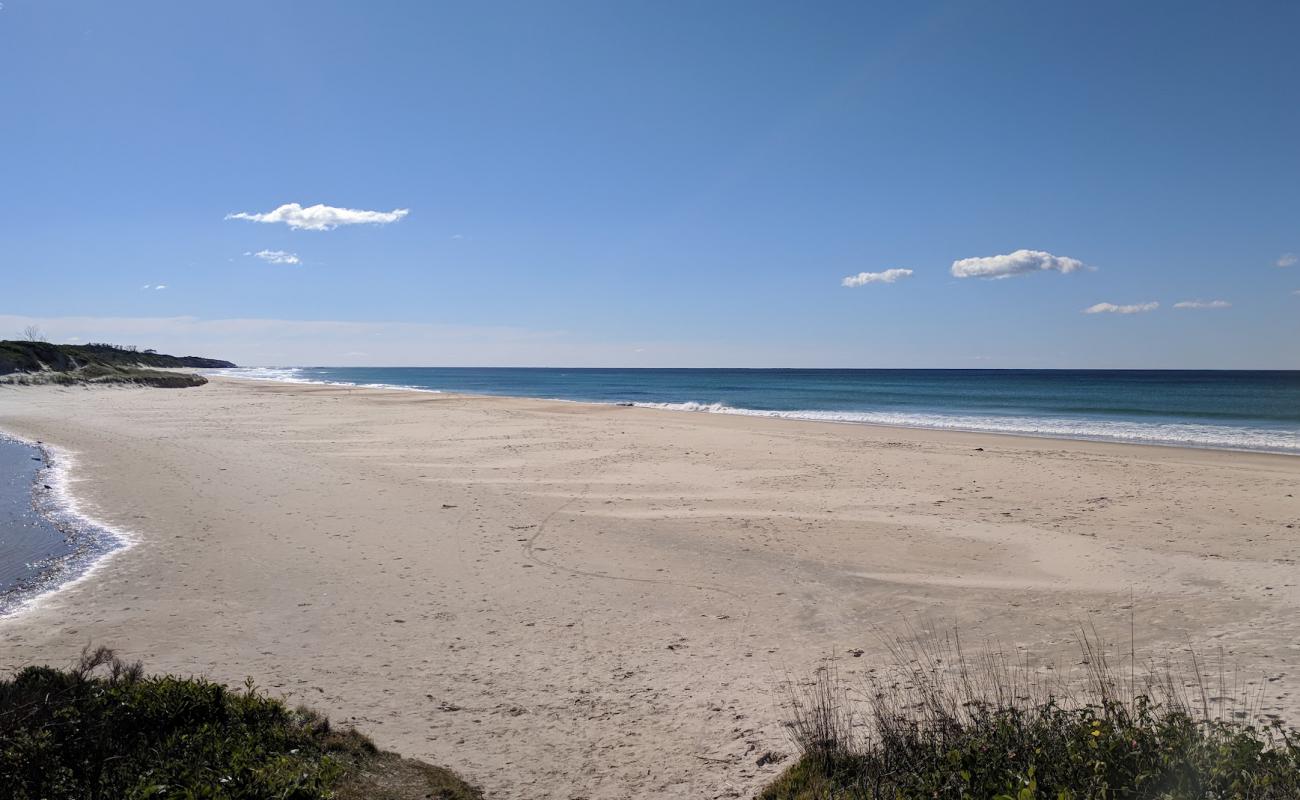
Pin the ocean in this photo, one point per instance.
(1237, 410)
(28, 541)
(44, 539)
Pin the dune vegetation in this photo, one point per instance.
(36, 362)
(939, 724)
(103, 729)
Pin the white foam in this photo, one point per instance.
(1184, 434)
(62, 508)
(297, 375)
(1178, 434)
(280, 374)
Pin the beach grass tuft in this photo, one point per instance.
(938, 722)
(103, 729)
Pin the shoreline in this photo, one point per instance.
(60, 509)
(560, 599)
(789, 415)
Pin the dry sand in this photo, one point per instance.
(571, 601)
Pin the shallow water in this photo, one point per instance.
(43, 542)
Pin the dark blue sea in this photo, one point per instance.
(1256, 410)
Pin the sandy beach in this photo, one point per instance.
(563, 600)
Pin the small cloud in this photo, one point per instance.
(1203, 304)
(863, 278)
(322, 217)
(457, 236)
(160, 286)
(276, 257)
(1111, 308)
(1287, 260)
(154, 287)
(1021, 262)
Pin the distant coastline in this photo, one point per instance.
(1251, 411)
(35, 361)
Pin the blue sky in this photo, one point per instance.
(657, 184)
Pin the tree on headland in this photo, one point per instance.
(32, 333)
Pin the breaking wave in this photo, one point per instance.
(1183, 434)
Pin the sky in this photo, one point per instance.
(751, 184)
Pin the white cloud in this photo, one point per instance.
(1288, 260)
(276, 257)
(863, 278)
(1021, 262)
(161, 286)
(1111, 308)
(1203, 304)
(322, 217)
(152, 286)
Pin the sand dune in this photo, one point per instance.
(565, 601)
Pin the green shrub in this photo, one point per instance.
(104, 730)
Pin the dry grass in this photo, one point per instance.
(938, 720)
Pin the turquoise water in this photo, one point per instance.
(1257, 410)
